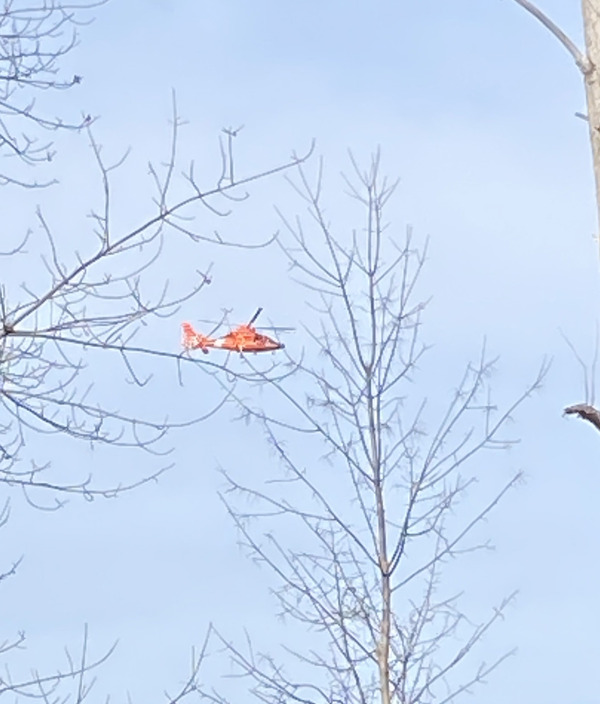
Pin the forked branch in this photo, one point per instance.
(98, 303)
(579, 57)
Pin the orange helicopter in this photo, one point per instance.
(244, 338)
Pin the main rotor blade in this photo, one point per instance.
(255, 316)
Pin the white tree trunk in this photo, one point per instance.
(591, 22)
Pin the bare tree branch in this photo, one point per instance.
(583, 63)
(585, 411)
(87, 306)
(34, 37)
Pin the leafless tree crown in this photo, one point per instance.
(358, 539)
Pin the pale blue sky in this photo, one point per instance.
(473, 105)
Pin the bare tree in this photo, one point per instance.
(358, 532)
(90, 302)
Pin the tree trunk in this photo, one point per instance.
(591, 22)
